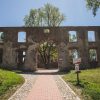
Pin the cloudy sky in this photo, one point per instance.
(12, 12)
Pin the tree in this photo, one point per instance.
(50, 16)
(93, 5)
(46, 16)
(35, 18)
(48, 52)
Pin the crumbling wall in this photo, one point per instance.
(36, 35)
(9, 55)
(31, 55)
(63, 63)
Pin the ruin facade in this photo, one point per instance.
(23, 54)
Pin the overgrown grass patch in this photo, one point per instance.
(89, 88)
(9, 82)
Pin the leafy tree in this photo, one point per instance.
(45, 16)
(50, 16)
(35, 18)
(93, 5)
(48, 52)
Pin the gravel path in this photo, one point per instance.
(22, 92)
(30, 79)
(66, 91)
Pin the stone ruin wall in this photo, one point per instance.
(10, 46)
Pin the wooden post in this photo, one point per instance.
(77, 72)
(78, 81)
(77, 62)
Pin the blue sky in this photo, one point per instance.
(12, 12)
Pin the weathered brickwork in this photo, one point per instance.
(11, 50)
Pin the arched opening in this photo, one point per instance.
(21, 54)
(47, 55)
(1, 37)
(73, 54)
(1, 55)
(21, 36)
(93, 57)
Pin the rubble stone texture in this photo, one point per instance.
(35, 36)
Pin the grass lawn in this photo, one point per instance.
(9, 82)
(89, 88)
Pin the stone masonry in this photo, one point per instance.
(12, 50)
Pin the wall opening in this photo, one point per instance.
(21, 36)
(73, 54)
(1, 37)
(21, 54)
(47, 55)
(93, 58)
(1, 55)
(91, 36)
(72, 36)
(93, 55)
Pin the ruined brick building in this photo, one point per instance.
(80, 41)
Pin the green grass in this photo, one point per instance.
(89, 88)
(9, 82)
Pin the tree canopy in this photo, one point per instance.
(93, 5)
(48, 15)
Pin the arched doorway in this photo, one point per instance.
(47, 55)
